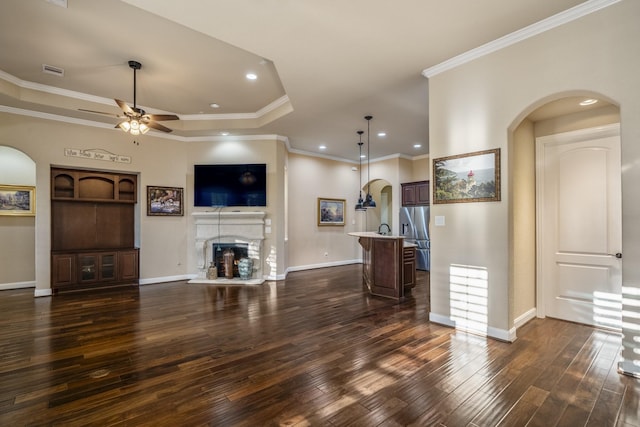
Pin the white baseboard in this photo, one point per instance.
(152, 280)
(323, 265)
(43, 292)
(17, 285)
(524, 318)
(441, 320)
(491, 332)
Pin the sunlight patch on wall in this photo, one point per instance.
(468, 297)
(606, 310)
(630, 363)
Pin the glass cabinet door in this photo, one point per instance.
(88, 268)
(107, 266)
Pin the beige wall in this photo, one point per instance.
(17, 233)
(167, 243)
(474, 106)
(240, 150)
(522, 187)
(310, 178)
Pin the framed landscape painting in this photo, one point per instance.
(17, 200)
(330, 211)
(472, 177)
(165, 201)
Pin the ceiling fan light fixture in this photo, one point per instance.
(125, 126)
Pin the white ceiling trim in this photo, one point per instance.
(554, 21)
(239, 116)
(54, 90)
(213, 138)
(83, 122)
(283, 100)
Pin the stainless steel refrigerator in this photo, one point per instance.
(414, 226)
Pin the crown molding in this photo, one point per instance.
(283, 100)
(539, 27)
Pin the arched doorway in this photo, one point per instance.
(532, 292)
(17, 259)
(382, 193)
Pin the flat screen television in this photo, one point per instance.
(230, 185)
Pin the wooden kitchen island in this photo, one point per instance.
(388, 264)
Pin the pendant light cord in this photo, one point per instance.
(368, 118)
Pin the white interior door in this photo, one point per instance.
(579, 226)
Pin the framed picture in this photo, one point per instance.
(17, 200)
(330, 211)
(165, 201)
(472, 177)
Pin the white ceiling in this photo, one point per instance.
(322, 65)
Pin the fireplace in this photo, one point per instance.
(240, 250)
(238, 229)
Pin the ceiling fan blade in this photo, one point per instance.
(162, 117)
(97, 112)
(158, 126)
(125, 107)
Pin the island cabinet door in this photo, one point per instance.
(387, 268)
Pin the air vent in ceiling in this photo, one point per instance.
(61, 3)
(50, 69)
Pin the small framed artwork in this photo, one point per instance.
(330, 211)
(18, 200)
(472, 177)
(165, 201)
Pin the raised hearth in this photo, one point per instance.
(230, 228)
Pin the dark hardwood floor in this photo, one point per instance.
(313, 350)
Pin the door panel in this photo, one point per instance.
(579, 198)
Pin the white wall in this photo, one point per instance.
(474, 106)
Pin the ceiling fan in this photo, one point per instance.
(135, 120)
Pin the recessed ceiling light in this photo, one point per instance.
(224, 133)
(214, 105)
(417, 145)
(251, 76)
(362, 156)
(322, 147)
(381, 134)
(589, 101)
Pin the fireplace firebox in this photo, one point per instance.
(240, 250)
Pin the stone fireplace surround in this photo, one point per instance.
(229, 227)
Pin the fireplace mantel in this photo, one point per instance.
(229, 227)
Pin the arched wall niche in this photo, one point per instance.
(17, 259)
(555, 113)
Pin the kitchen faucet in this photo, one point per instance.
(380, 229)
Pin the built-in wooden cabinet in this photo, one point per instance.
(87, 186)
(92, 229)
(415, 193)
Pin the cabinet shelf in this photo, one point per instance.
(88, 186)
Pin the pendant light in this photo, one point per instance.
(368, 201)
(359, 206)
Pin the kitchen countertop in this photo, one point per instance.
(373, 234)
